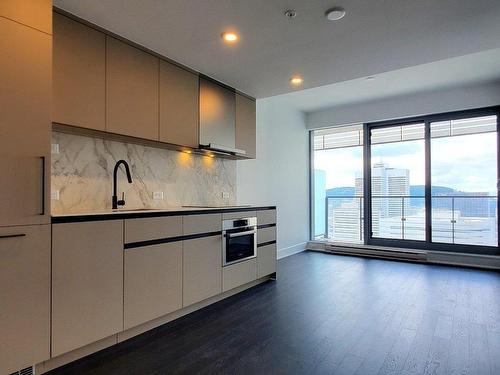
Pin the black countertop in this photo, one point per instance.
(143, 213)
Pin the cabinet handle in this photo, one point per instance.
(13, 235)
(43, 186)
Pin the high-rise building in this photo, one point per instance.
(386, 182)
(319, 203)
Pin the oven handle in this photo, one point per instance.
(239, 234)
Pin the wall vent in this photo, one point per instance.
(25, 371)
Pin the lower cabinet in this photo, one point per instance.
(202, 269)
(153, 282)
(24, 296)
(266, 260)
(239, 274)
(87, 283)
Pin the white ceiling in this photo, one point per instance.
(374, 37)
(477, 68)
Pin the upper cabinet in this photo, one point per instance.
(25, 97)
(217, 116)
(131, 90)
(178, 105)
(227, 120)
(106, 84)
(245, 125)
(79, 91)
(35, 13)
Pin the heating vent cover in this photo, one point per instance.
(25, 371)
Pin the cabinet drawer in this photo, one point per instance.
(153, 282)
(152, 228)
(266, 234)
(266, 217)
(239, 274)
(266, 260)
(193, 224)
(238, 215)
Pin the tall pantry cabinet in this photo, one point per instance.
(25, 128)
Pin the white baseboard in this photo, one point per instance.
(290, 250)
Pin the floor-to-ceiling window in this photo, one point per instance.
(427, 182)
(398, 181)
(338, 184)
(464, 181)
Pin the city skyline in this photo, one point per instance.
(470, 171)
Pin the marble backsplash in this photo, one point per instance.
(82, 173)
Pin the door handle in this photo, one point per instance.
(42, 212)
(239, 234)
(13, 235)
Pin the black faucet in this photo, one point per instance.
(114, 200)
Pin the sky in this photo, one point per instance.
(465, 163)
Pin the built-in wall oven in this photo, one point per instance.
(239, 240)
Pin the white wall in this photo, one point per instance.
(280, 174)
(439, 101)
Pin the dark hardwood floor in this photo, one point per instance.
(329, 314)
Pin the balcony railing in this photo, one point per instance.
(456, 219)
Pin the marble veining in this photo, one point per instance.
(82, 172)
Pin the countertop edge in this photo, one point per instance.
(72, 218)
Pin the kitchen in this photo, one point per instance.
(195, 187)
(123, 220)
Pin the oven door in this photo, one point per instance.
(238, 245)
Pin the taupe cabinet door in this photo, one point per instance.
(24, 296)
(239, 274)
(217, 114)
(266, 260)
(34, 13)
(87, 283)
(202, 269)
(153, 282)
(25, 124)
(178, 105)
(245, 125)
(79, 74)
(131, 91)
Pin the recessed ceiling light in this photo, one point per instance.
(335, 14)
(296, 80)
(229, 37)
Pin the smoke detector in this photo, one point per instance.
(335, 14)
(290, 13)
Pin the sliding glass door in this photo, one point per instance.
(464, 181)
(429, 182)
(398, 181)
(433, 182)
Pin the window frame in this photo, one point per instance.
(427, 244)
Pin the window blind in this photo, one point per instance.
(344, 136)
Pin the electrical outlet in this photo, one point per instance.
(54, 195)
(55, 148)
(158, 195)
(225, 194)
